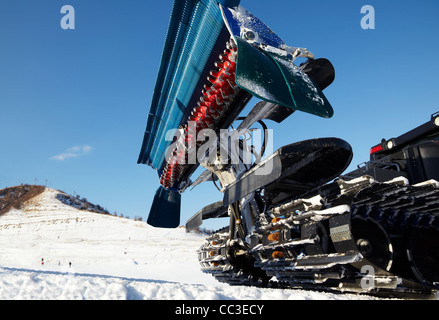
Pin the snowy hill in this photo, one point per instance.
(111, 258)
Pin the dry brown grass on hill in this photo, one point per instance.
(15, 197)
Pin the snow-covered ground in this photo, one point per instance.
(111, 258)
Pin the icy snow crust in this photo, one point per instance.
(112, 258)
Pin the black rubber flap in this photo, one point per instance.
(165, 209)
(295, 168)
(321, 71)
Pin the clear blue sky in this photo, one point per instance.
(73, 103)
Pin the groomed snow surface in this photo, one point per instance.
(111, 258)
